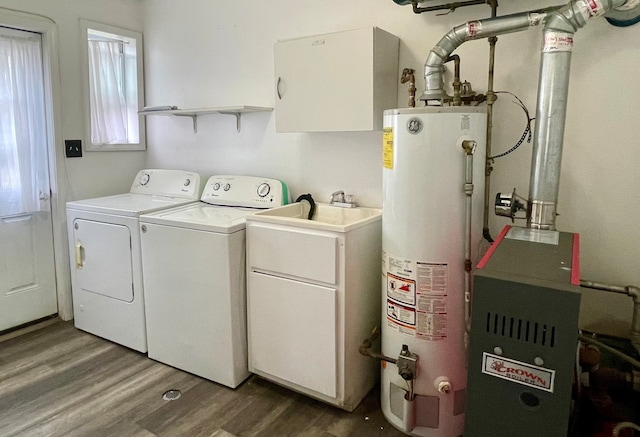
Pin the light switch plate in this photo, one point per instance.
(73, 148)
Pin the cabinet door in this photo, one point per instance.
(325, 82)
(292, 332)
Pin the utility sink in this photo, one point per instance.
(314, 281)
(326, 217)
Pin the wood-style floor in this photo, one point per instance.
(59, 381)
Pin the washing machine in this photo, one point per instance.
(104, 244)
(193, 260)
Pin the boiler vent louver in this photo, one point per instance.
(519, 329)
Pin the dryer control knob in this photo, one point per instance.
(216, 186)
(263, 189)
(187, 182)
(226, 187)
(144, 179)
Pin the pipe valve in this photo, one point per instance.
(407, 364)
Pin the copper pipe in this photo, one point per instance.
(407, 76)
(613, 351)
(367, 344)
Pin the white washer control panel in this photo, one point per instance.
(245, 191)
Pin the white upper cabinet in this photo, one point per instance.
(340, 81)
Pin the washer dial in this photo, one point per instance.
(263, 189)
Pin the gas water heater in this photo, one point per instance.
(433, 184)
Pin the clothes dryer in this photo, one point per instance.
(193, 260)
(104, 244)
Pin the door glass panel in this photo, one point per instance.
(24, 177)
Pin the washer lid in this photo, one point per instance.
(201, 216)
(128, 204)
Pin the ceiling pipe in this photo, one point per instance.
(560, 23)
(451, 7)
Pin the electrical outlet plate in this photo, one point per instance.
(73, 148)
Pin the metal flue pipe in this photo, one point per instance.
(559, 28)
(560, 23)
(434, 65)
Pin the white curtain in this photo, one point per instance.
(24, 175)
(107, 93)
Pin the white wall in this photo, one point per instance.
(96, 173)
(202, 53)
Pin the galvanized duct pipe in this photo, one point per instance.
(434, 65)
(559, 25)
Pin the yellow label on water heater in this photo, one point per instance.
(387, 147)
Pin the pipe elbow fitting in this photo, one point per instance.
(577, 13)
(634, 292)
(434, 69)
(434, 65)
(566, 20)
(364, 347)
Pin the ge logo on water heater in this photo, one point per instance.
(414, 125)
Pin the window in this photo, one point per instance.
(114, 88)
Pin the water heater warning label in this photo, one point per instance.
(387, 148)
(417, 297)
(400, 313)
(401, 289)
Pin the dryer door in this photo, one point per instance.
(103, 259)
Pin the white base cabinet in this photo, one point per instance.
(312, 297)
(340, 81)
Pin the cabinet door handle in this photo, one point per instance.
(278, 88)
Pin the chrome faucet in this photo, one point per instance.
(342, 200)
(337, 197)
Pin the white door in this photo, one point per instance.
(103, 259)
(27, 274)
